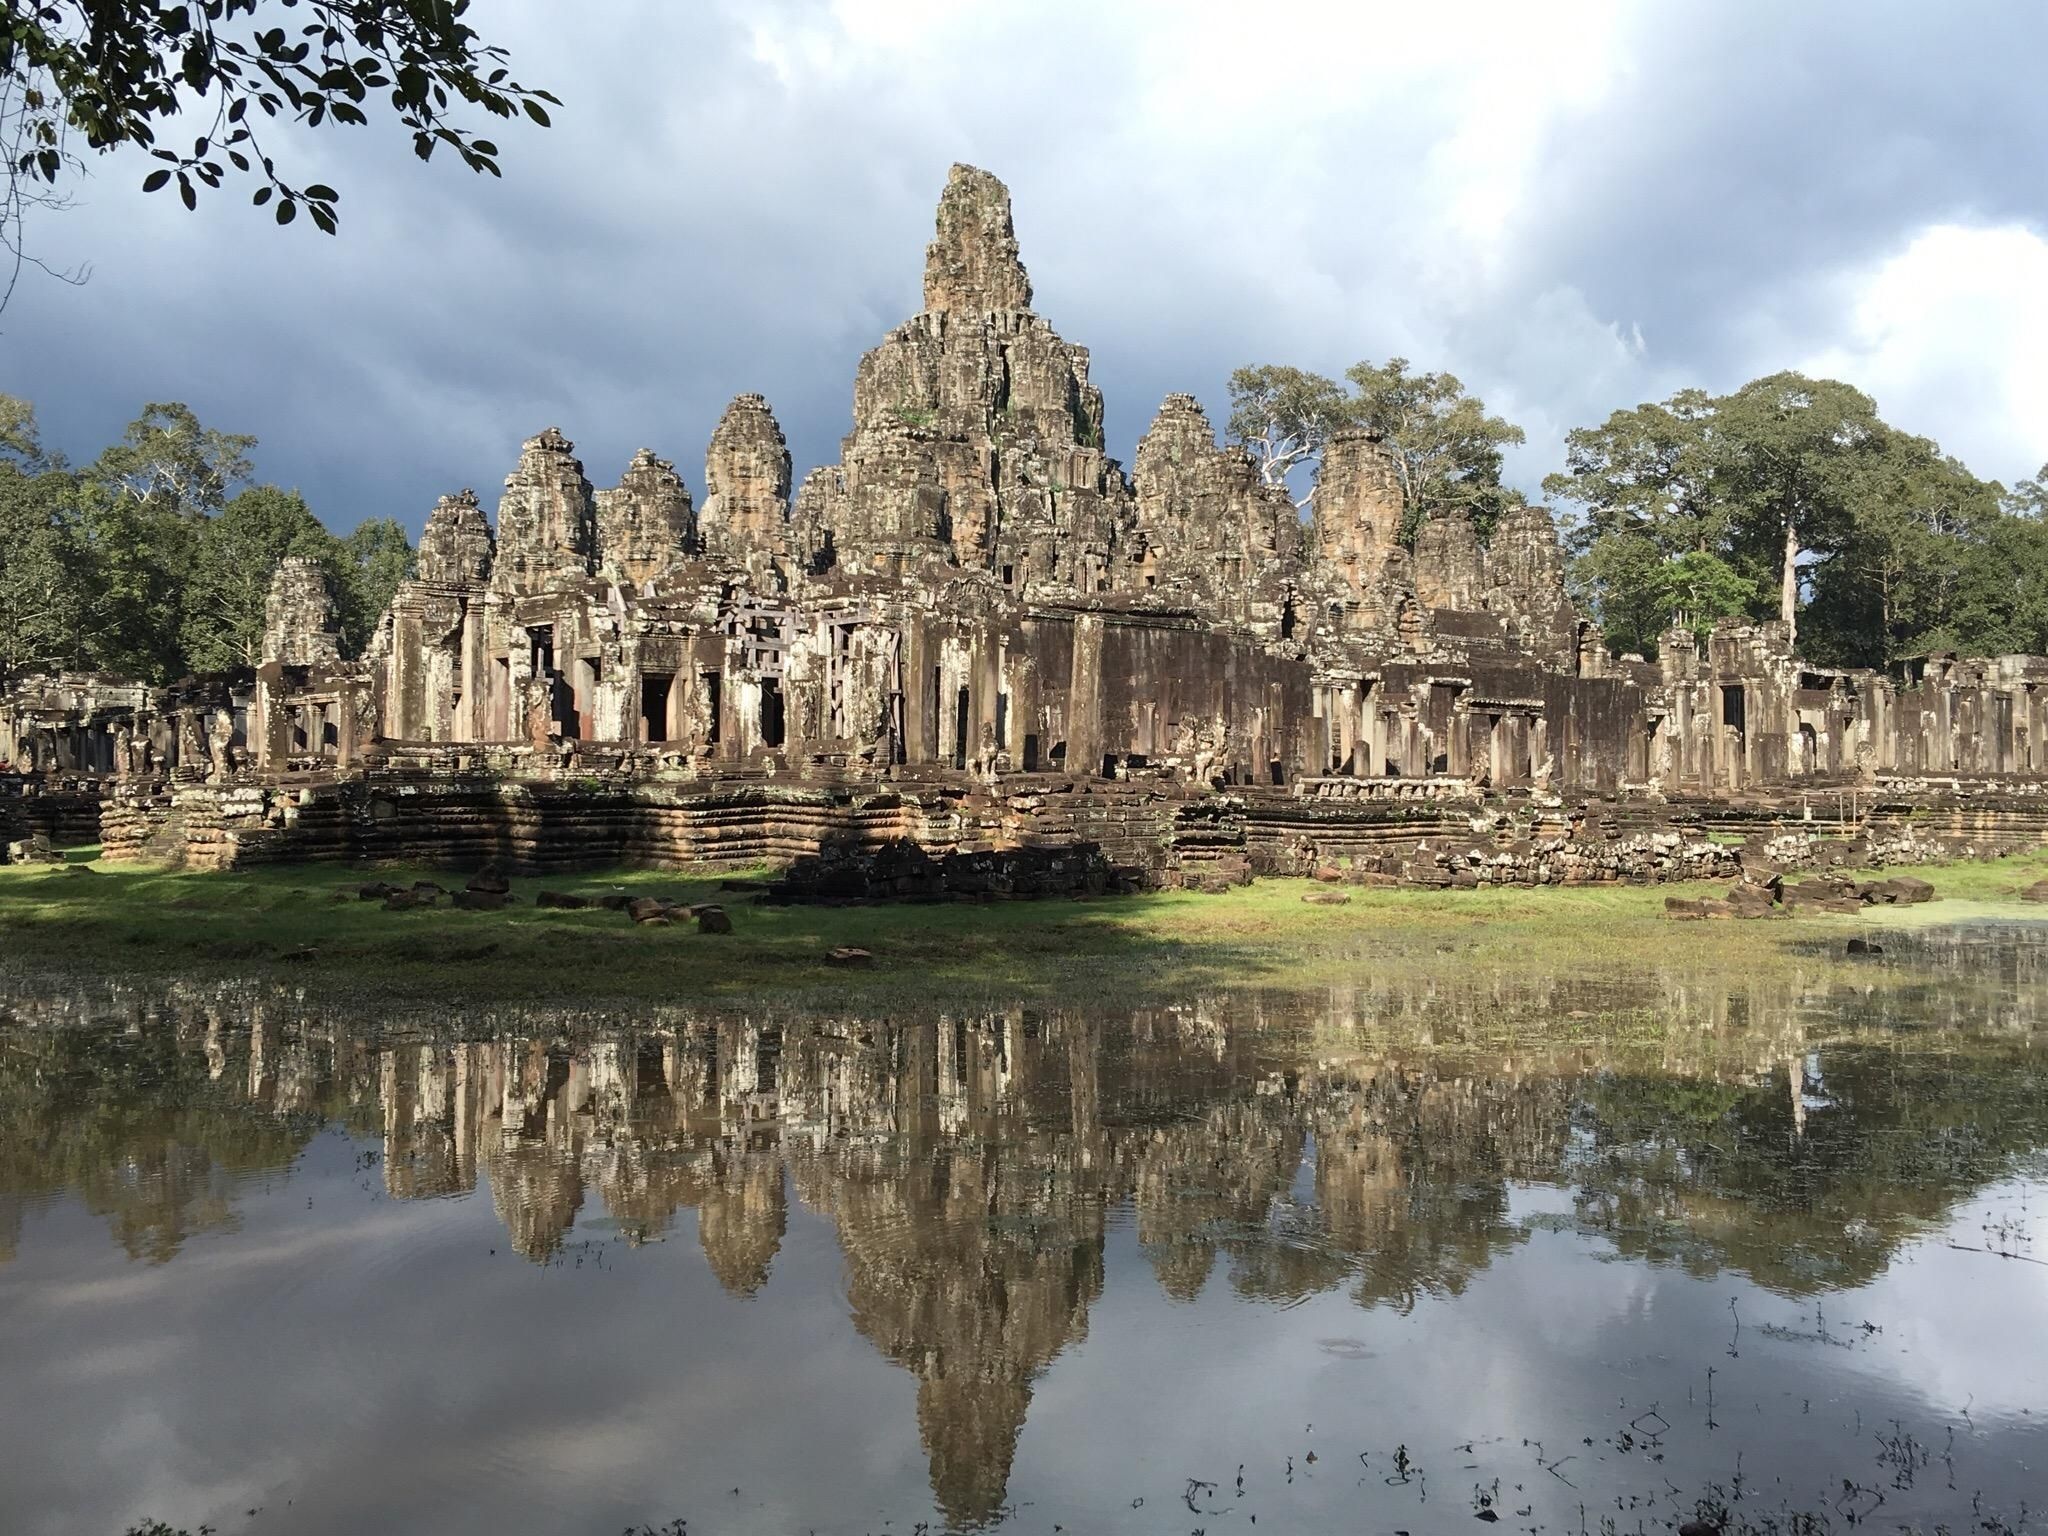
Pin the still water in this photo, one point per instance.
(1550, 1254)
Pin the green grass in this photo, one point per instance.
(286, 922)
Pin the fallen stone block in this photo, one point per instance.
(483, 901)
(646, 909)
(376, 890)
(1329, 874)
(561, 901)
(850, 957)
(1371, 877)
(490, 880)
(1912, 889)
(1327, 898)
(713, 920)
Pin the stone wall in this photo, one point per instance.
(1039, 834)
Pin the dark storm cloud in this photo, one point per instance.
(737, 198)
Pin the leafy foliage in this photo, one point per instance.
(118, 73)
(1284, 415)
(1446, 449)
(232, 561)
(1792, 498)
(154, 561)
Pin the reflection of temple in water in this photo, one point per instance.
(1369, 1144)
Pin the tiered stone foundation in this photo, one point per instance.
(951, 834)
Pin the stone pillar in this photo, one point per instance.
(1084, 698)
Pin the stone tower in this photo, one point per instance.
(977, 436)
(1208, 531)
(973, 262)
(1525, 584)
(547, 518)
(299, 624)
(1450, 567)
(1357, 508)
(746, 484)
(645, 524)
(456, 546)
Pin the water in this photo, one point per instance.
(1538, 1252)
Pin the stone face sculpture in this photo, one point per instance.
(746, 481)
(547, 519)
(973, 263)
(457, 545)
(299, 624)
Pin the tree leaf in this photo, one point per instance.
(155, 181)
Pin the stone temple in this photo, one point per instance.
(976, 656)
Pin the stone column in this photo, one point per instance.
(1084, 698)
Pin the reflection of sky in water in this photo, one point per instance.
(1165, 1247)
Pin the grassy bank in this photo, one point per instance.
(304, 923)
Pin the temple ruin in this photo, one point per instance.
(976, 636)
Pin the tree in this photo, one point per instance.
(1638, 591)
(372, 562)
(1787, 452)
(38, 562)
(168, 458)
(235, 555)
(108, 74)
(1447, 450)
(138, 511)
(21, 441)
(1616, 577)
(1903, 578)
(133, 556)
(1700, 588)
(150, 562)
(1787, 489)
(1646, 472)
(1284, 416)
(2007, 606)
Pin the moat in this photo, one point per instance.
(1629, 1243)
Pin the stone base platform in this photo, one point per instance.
(953, 834)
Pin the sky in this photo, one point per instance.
(1574, 208)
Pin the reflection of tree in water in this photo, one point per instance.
(1809, 1180)
(137, 1126)
(1413, 1170)
(1784, 1129)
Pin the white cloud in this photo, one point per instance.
(1950, 335)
